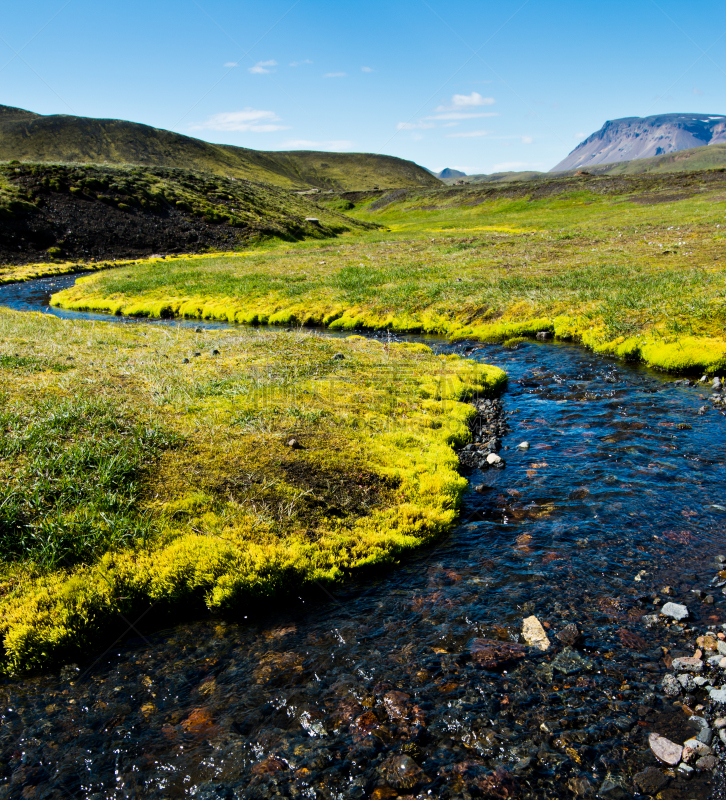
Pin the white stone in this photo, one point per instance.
(674, 610)
(493, 458)
(697, 747)
(718, 695)
(688, 664)
(534, 634)
(523, 446)
(721, 647)
(664, 749)
(685, 769)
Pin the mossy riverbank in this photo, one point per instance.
(161, 467)
(631, 267)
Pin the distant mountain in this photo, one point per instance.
(450, 173)
(26, 136)
(634, 138)
(495, 177)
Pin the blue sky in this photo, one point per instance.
(480, 86)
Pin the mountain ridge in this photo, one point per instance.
(633, 138)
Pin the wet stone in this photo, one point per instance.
(569, 635)
(664, 749)
(492, 654)
(401, 772)
(569, 662)
(650, 780)
(534, 634)
(676, 611)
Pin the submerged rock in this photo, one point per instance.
(569, 662)
(534, 634)
(569, 635)
(401, 772)
(491, 653)
(650, 780)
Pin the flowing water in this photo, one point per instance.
(371, 689)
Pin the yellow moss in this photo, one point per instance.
(231, 521)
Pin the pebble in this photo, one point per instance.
(294, 444)
(493, 459)
(650, 780)
(721, 647)
(688, 664)
(569, 634)
(675, 610)
(720, 723)
(185, 360)
(670, 685)
(534, 634)
(695, 746)
(718, 695)
(215, 352)
(685, 769)
(338, 357)
(706, 763)
(523, 445)
(664, 749)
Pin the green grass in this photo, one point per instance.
(157, 472)
(620, 263)
(30, 137)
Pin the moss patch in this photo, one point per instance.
(159, 471)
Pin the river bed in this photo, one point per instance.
(375, 689)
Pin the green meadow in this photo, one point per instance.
(630, 266)
(182, 472)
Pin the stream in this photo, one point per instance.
(371, 690)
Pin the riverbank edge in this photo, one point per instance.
(57, 616)
(677, 354)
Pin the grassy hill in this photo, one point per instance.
(26, 136)
(61, 212)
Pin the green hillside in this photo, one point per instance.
(26, 136)
(87, 212)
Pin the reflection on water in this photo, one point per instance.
(376, 689)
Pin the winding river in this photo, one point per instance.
(371, 690)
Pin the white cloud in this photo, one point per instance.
(261, 67)
(249, 119)
(473, 100)
(466, 134)
(232, 64)
(580, 135)
(306, 144)
(509, 166)
(335, 75)
(463, 115)
(367, 69)
(409, 126)
(527, 140)
(300, 63)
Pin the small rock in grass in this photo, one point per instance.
(196, 355)
(650, 780)
(534, 634)
(197, 330)
(293, 444)
(675, 610)
(215, 352)
(664, 749)
(338, 357)
(185, 360)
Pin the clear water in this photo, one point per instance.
(340, 693)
